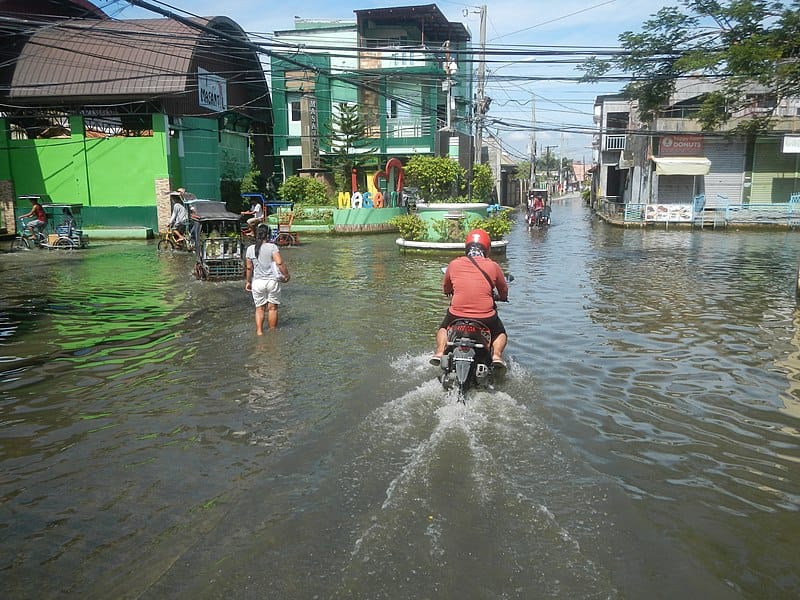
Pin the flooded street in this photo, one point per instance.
(643, 445)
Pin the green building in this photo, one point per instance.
(116, 114)
(407, 69)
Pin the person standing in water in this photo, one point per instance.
(264, 273)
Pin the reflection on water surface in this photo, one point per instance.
(152, 445)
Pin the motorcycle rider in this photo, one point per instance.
(538, 209)
(471, 280)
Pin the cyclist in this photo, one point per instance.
(41, 217)
(255, 216)
(177, 222)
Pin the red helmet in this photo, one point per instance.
(478, 237)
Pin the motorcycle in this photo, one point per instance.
(538, 218)
(467, 360)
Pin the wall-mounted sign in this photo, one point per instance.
(309, 131)
(791, 144)
(300, 81)
(670, 213)
(680, 145)
(212, 91)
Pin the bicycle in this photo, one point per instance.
(26, 240)
(170, 241)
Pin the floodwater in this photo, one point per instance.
(643, 445)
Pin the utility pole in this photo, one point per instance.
(549, 160)
(561, 164)
(450, 69)
(481, 101)
(533, 143)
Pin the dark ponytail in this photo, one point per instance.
(262, 236)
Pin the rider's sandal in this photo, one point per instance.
(435, 360)
(499, 363)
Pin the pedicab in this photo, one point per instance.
(217, 236)
(283, 218)
(65, 226)
(63, 230)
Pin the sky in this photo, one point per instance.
(527, 93)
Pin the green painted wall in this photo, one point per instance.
(364, 219)
(116, 178)
(201, 164)
(322, 91)
(234, 155)
(123, 171)
(775, 175)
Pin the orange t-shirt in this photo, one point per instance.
(472, 294)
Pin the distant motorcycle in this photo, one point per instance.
(538, 218)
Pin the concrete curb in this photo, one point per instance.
(120, 233)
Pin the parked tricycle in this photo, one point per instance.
(279, 215)
(217, 240)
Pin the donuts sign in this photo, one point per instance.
(680, 145)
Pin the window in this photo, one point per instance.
(294, 117)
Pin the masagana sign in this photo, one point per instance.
(212, 91)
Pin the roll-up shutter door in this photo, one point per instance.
(727, 169)
(676, 189)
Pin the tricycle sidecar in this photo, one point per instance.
(217, 239)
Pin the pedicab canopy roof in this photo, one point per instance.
(210, 210)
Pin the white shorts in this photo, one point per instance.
(266, 291)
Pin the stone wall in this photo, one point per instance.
(7, 203)
(163, 204)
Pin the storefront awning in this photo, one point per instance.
(682, 165)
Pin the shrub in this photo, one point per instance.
(313, 214)
(450, 230)
(436, 177)
(229, 194)
(253, 181)
(497, 225)
(482, 183)
(411, 227)
(305, 190)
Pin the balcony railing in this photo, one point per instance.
(395, 58)
(614, 142)
(408, 127)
